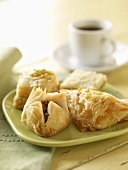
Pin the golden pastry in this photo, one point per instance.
(92, 110)
(36, 78)
(46, 113)
(84, 80)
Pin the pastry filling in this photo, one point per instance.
(45, 106)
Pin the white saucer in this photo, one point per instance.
(63, 57)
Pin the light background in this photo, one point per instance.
(37, 27)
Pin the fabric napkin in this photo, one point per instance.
(8, 57)
(16, 154)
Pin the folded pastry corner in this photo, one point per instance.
(93, 110)
(84, 80)
(46, 113)
(35, 78)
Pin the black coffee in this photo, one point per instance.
(90, 28)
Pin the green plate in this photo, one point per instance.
(68, 137)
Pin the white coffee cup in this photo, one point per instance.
(90, 41)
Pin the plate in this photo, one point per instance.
(68, 137)
(63, 57)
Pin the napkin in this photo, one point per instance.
(16, 154)
(9, 56)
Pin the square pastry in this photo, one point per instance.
(35, 78)
(84, 80)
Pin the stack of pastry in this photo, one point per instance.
(47, 111)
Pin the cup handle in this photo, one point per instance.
(111, 45)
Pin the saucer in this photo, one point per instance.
(63, 57)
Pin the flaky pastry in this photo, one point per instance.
(35, 78)
(46, 113)
(92, 110)
(84, 80)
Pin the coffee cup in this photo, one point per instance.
(90, 41)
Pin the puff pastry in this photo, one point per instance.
(46, 113)
(92, 110)
(35, 78)
(84, 80)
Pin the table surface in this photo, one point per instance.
(47, 29)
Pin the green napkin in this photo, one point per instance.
(8, 57)
(16, 154)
